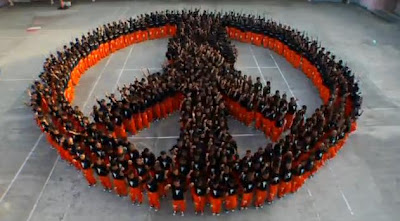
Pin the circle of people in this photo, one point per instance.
(200, 81)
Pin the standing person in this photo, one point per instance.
(273, 188)
(178, 199)
(161, 176)
(165, 161)
(298, 178)
(285, 185)
(231, 199)
(119, 181)
(87, 170)
(103, 174)
(248, 189)
(216, 193)
(135, 191)
(262, 189)
(152, 193)
(199, 195)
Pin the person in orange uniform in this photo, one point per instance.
(199, 195)
(135, 191)
(248, 191)
(103, 174)
(262, 190)
(216, 196)
(298, 178)
(273, 188)
(87, 170)
(152, 193)
(231, 198)
(178, 198)
(119, 180)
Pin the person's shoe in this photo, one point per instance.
(182, 214)
(174, 213)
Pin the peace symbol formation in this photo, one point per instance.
(201, 82)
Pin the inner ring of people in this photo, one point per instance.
(201, 82)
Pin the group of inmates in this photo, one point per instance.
(198, 80)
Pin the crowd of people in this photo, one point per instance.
(200, 81)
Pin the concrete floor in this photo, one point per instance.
(362, 183)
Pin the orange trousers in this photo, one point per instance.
(273, 191)
(284, 188)
(297, 182)
(120, 131)
(231, 202)
(289, 121)
(154, 199)
(247, 199)
(259, 118)
(261, 196)
(199, 203)
(106, 182)
(136, 194)
(145, 120)
(120, 187)
(129, 124)
(179, 205)
(138, 121)
(216, 205)
(88, 174)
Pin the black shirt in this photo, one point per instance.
(216, 192)
(248, 186)
(287, 176)
(177, 193)
(165, 163)
(85, 164)
(152, 186)
(101, 170)
(159, 176)
(200, 190)
(117, 175)
(141, 170)
(134, 182)
(232, 190)
(263, 184)
(275, 179)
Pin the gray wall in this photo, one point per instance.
(387, 5)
